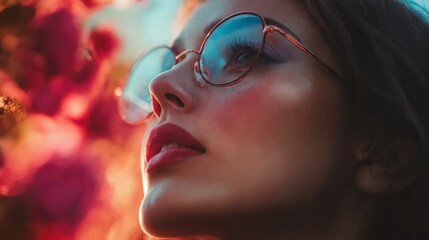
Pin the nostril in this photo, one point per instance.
(173, 98)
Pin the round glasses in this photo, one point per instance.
(229, 51)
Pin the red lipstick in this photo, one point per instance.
(169, 144)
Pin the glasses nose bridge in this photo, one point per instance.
(196, 69)
(183, 54)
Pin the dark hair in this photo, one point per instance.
(384, 46)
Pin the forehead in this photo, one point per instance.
(291, 13)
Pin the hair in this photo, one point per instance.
(384, 46)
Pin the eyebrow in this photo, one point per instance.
(178, 43)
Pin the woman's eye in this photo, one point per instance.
(240, 56)
(245, 57)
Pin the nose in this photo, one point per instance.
(173, 90)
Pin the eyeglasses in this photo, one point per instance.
(232, 48)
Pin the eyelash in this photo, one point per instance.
(264, 58)
(268, 57)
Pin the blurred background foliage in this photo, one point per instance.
(69, 166)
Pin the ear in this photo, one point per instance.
(388, 168)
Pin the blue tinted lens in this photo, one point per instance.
(135, 102)
(231, 49)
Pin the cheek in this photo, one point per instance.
(239, 105)
(273, 137)
(257, 110)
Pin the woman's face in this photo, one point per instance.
(276, 144)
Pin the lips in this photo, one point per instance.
(169, 144)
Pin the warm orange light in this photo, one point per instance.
(117, 92)
(75, 106)
(71, 118)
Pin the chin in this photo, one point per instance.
(166, 218)
(155, 217)
(156, 223)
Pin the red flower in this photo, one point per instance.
(63, 190)
(57, 38)
(104, 43)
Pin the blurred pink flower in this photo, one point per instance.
(53, 169)
(64, 189)
(57, 37)
(48, 100)
(104, 121)
(104, 42)
(41, 138)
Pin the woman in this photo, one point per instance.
(284, 119)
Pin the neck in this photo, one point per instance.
(346, 219)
